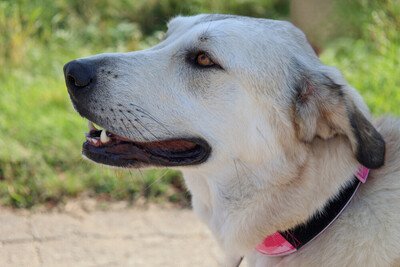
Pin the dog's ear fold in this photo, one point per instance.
(322, 109)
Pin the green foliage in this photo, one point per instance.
(41, 135)
(102, 25)
(371, 61)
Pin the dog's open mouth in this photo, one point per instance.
(107, 148)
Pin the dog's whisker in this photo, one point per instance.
(141, 175)
(157, 180)
(137, 130)
(132, 196)
(236, 169)
(134, 127)
(137, 119)
(248, 169)
(144, 127)
(125, 129)
(262, 135)
(141, 110)
(238, 177)
(108, 121)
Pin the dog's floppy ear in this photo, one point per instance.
(322, 109)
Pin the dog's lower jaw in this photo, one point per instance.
(243, 208)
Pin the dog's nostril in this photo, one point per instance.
(71, 80)
(78, 82)
(78, 75)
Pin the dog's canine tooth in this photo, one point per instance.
(93, 141)
(103, 137)
(91, 126)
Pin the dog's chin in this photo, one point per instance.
(117, 151)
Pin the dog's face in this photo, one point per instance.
(216, 88)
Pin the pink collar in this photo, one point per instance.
(284, 243)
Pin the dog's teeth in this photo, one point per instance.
(103, 137)
(94, 141)
(91, 126)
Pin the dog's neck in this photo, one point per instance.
(244, 203)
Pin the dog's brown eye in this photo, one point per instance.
(204, 60)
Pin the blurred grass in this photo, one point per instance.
(41, 135)
(369, 54)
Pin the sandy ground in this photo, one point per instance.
(80, 234)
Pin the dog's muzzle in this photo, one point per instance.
(82, 78)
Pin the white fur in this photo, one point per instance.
(260, 177)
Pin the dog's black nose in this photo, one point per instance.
(78, 76)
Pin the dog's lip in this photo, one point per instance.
(108, 148)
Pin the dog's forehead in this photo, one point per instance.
(200, 23)
(281, 31)
(191, 21)
(221, 19)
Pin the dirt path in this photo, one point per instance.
(118, 236)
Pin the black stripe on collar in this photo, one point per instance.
(306, 232)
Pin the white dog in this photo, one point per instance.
(271, 141)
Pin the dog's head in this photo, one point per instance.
(218, 87)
